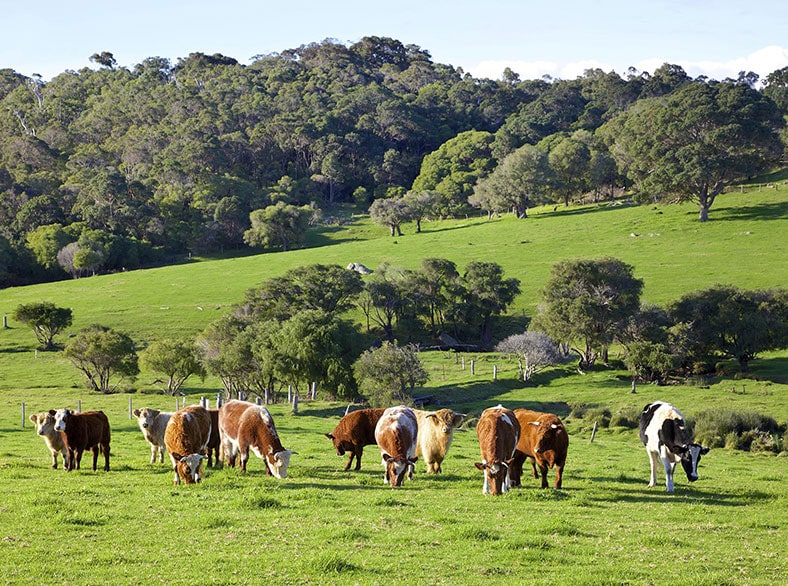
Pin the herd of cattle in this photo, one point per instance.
(506, 439)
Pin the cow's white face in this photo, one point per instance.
(278, 463)
(396, 468)
(690, 459)
(145, 417)
(189, 468)
(496, 477)
(61, 415)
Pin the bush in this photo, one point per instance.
(628, 417)
(590, 414)
(737, 430)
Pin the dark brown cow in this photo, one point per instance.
(354, 431)
(83, 431)
(215, 442)
(186, 438)
(498, 431)
(544, 441)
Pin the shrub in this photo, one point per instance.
(628, 417)
(736, 430)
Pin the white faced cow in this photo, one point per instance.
(664, 433)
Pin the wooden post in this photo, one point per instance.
(259, 400)
(267, 396)
(5, 322)
(633, 387)
(131, 411)
(473, 366)
(495, 372)
(314, 390)
(79, 406)
(204, 402)
(176, 403)
(463, 362)
(593, 433)
(295, 404)
(23, 415)
(219, 400)
(289, 393)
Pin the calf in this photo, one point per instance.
(396, 434)
(544, 441)
(354, 431)
(186, 438)
(152, 424)
(83, 431)
(665, 434)
(498, 431)
(215, 442)
(245, 427)
(45, 427)
(436, 431)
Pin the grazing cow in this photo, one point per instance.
(397, 435)
(152, 423)
(544, 441)
(436, 431)
(83, 431)
(45, 427)
(186, 438)
(498, 431)
(665, 434)
(215, 442)
(245, 426)
(354, 431)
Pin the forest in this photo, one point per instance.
(117, 168)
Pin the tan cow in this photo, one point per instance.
(45, 427)
(436, 431)
(152, 424)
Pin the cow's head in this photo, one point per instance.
(278, 462)
(61, 416)
(396, 468)
(690, 458)
(446, 420)
(188, 468)
(547, 431)
(145, 416)
(340, 445)
(496, 476)
(45, 423)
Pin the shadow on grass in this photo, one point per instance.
(617, 493)
(762, 212)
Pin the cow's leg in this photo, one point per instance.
(543, 470)
(533, 467)
(105, 449)
(355, 453)
(654, 460)
(54, 459)
(78, 458)
(559, 470)
(95, 451)
(669, 467)
(153, 453)
(244, 456)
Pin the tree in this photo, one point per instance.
(390, 212)
(420, 205)
(586, 303)
(45, 242)
(46, 320)
(278, 226)
(437, 286)
(693, 143)
(99, 353)
(486, 294)
(389, 374)
(521, 180)
(735, 323)
(570, 161)
(383, 298)
(533, 351)
(177, 360)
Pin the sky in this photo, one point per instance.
(562, 38)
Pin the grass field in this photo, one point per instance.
(325, 526)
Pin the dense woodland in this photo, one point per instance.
(116, 168)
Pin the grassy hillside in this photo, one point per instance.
(325, 526)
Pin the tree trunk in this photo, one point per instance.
(703, 213)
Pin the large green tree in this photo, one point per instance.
(388, 375)
(46, 319)
(278, 226)
(100, 353)
(699, 139)
(175, 359)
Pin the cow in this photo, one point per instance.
(246, 427)
(666, 437)
(544, 441)
(396, 433)
(45, 427)
(436, 431)
(215, 442)
(152, 424)
(354, 431)
(498, 431)
(186, 438)
(83, 431)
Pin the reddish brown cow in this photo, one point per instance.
(83, 431)
(396, 434)
(215, 441)
(186, 438)
(544, 441)
(498, 431)
(354, 431)
(245, 426)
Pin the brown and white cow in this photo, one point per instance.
(396, 433)
(354, 431)
(186, 438)
(498, 431)
(152, 424)
(45, 427)
(244, 427)
(544, 441)
(83, 431)
(436, 431)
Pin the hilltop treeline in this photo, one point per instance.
(119, 167)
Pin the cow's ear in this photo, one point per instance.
(679, 449)
(457, 419)
(329, 436)
(52, 412)
(177, 457)
(430, 415)
(412, 460)
(136, 412)
(34, 418)
(704, 450)
(481, 466)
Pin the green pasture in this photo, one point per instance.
(322, 525)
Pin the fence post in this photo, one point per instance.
(267, 396)
(289, 393)
(593, 433)
(463, 362)
(259, 400)
(79, 406)
(295, 404)
(495, 372)
(130, 407)
(473, 366)
(23, 415)
(314, 390)
(219, 400)
(204, 402)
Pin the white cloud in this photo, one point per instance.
(763, 62)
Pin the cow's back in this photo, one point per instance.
(229, 417)
(188, 431)
(88, 429)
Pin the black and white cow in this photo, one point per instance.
(664, 433)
